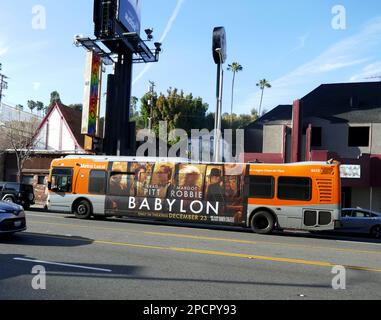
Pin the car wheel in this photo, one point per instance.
(9, 199)
(262, 222)
(83, 210)
(376, 232)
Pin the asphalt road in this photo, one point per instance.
(138, 260)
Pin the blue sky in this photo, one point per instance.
(290, 43)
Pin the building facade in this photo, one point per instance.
(58, 135)
(334, 121)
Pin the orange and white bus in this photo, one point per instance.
(264, 197)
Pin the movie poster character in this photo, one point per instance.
(118, 184)
(142, 174)
(190, 182)
(215, 185)
(162, 180)
(234, 177)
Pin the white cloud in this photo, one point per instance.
(369, 72)
(3, 48)
(168, 28)
(36, 85)
(343, 54)
(302, 40)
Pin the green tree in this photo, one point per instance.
(76, 106)
(134, 106)
(176, 108)
(235, 67)
(262, 84)
(39, 106)
(55, 98)
(135, 115)
(31, 105)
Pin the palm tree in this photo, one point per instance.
(39, 107)
(31, 105)
(262, 84)
(235, 67)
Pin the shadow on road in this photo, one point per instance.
(44, 240)
(296, 234)
(328, 235)
(12, 268)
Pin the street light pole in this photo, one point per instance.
(218, 116)
(150, 103)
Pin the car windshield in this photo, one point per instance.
(13, 186)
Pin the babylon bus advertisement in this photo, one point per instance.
(194, 193)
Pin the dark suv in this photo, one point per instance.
(19, 193)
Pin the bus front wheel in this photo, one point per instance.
(262, 222)
(83, 210)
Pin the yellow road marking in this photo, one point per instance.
(175, 235)
(184, 236)
(216, 253)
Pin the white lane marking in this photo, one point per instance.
(62, 264)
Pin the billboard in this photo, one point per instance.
(350, 171)
(129, 15)
(181, 192)
(92, 95)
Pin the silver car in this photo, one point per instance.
(12, 218)
(357, 220)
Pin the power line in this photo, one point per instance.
(375, 77)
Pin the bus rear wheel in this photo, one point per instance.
(262, 222)
(83, 210)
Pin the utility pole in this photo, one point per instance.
(151, 103)
(219, 57)
(3, 84)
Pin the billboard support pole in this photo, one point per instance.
(117, 27)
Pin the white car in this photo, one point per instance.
(12, 218)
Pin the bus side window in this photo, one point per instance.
(261, 187)
(295, 188)
(97, 182)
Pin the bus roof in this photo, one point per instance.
(127, 159)
(183, 160)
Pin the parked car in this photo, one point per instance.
(355, 220)
(18, 193)
(12, 218)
